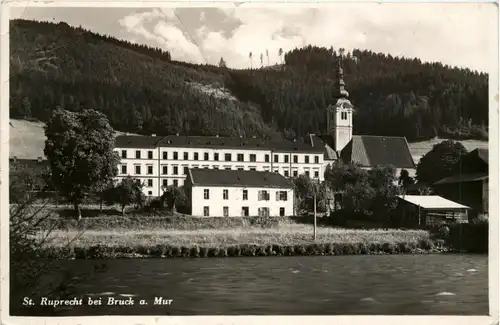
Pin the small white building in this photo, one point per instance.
(235, 193)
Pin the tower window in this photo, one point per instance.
(343, 115)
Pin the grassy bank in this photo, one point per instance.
(282, 241)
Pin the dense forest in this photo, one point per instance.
(142, 90)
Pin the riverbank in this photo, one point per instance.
(285, 240)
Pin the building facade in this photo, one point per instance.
(234, 193)
(165, 161)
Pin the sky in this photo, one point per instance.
(455, 34)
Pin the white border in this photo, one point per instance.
(317, 320)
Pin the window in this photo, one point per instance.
(227, 157)
(281, 196)
(150, 192)
(216, 167)
(165, 182)
(277, 171)
(150, 154)
(124, 154)
(241, 168)
(306, 159)
(176, 182)
(186, 156)
(240, 157)
(205, 156)
(150, 170)
(263, 195)
(176, 155)
(245, 195)
(263, 212)
(287, 173)
(124, 169)
(216, 156)
(253, 157)
(266, 158)
(195, 156)
(186, 170)
(316, 174)
(225, 194)
(164, 170)
(206, 194)
(176, 170)
(138, 170)
(205, 167)
(150, 183)
(287, 158)
(244, 211)
(206, 211)
(295, 173)
(316, 159)
(295, 159)
(137, 154)
(227, 168)
(343, 115)
(253, 168)
(282, 212)
(307, 173)
(225, 211)
(276, 158)
(165, 154)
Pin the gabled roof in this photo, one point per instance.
(237, 178)
(372, 151)
(325, 142)
(213, 142)
(462, 178)
(432, 202)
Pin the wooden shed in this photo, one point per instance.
(429, 210)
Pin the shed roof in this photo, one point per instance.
(463, 178)
(238, 178)
(432, 202)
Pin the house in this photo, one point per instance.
(470, 187)
(164, 161)
(428, 210)
(235, 193)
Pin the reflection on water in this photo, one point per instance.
(390, 285)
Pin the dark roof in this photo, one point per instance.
(462, 178)
(243, 178)
(372, 151)
(325, 142)
(213, 142)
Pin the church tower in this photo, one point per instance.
(339, 116)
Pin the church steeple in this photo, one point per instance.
(339, 116)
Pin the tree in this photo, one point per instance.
(250, 56)
(79, 148)
(174, 197)
(280, 53)
(267, 55)
(127, 192)
(304, 189)
(442, 161)
(405, 179)
(261, 60)
(222, 63)
(23, 181)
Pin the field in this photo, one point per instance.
(27, 140)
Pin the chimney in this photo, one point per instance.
(39, 159)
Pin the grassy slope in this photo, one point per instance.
(27, 141)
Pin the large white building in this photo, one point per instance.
(234, 193)
(162, 161)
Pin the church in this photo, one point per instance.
(369, 151)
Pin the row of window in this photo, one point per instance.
(263, 212)
(175, 170)
(149, 182)
(263, 195)
(227, 157)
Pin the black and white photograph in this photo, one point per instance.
(231, 160)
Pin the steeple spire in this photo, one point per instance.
(342, 91)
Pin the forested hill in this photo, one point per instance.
(142, 90)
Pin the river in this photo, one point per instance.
(438, 284)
